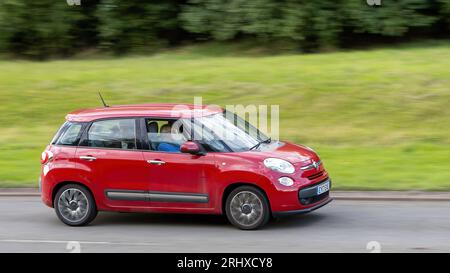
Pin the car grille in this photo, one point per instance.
(314, 199)
(314, 176)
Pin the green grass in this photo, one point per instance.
(380, 119)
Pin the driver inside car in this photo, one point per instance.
(166, 133)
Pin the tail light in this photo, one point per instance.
(46, 157)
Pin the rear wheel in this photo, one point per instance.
(247, 208)
(74, 205)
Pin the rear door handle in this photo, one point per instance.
(156, 162)
(87, 158)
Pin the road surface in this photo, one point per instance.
(26, 225)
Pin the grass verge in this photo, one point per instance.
(380, 119)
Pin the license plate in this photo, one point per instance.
(323, 188)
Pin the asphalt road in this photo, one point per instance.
(26, 225)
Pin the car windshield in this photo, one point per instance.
(225, 132)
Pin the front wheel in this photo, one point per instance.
(74, 205)
(247, 208)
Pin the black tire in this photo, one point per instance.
(63, 212)
(260, 206)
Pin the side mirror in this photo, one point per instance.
(191, 147)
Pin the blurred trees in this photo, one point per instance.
(44, 28)
(311, 23)
(138, 25)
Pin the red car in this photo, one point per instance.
(171, 159)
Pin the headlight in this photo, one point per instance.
(279, 165)
(286, 181)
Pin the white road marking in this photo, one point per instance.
(81, 242)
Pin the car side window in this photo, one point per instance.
(70, 135)
(165, 135)
(114, 133)
(208, 140)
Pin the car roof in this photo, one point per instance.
(160, 110)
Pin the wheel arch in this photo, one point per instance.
(63, 183)
(228, 189)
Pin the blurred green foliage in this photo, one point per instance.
(319, 23)
(47, 28)
(137, 25)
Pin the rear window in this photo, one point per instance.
(68, 135)
(114, 133)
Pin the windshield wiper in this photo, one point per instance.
(268, 140)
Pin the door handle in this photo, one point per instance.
(87, 158)
(156, 162)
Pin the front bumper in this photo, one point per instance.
(302, 211)
(301, 200)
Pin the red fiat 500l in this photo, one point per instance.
(150, 158)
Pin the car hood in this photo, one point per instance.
(294, 153)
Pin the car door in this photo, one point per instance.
(111, 159)
(179, 180)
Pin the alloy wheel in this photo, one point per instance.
(73, 205)
(246, 208)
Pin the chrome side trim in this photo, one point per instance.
(155, 196)
(176, 197)
(127, 195)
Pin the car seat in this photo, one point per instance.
(152, 128)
